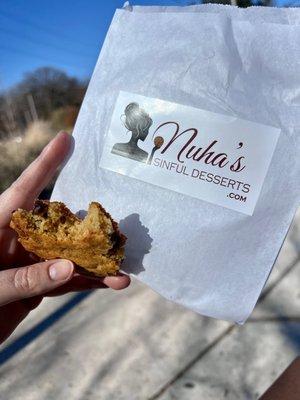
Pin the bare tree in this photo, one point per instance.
(37, 96)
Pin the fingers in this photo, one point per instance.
(54, 277)
(33, 280)
(40, 171)
(117, 282)
(79, 283)
(36, 176)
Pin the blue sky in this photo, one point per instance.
(65, 34)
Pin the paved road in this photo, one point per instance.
(134, 345)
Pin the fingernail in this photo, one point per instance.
(61, 270)
(64, 133)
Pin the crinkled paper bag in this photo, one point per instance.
(235, 84)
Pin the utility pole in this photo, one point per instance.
(28, 117)
(31, 103)
(10, 117)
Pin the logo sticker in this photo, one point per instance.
(213, 157)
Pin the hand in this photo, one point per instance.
(24, 283)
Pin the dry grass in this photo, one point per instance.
(17, 152)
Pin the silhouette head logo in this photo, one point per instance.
(138, 122)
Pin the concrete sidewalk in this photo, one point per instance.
(136, 345)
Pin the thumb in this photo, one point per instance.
(33, 280)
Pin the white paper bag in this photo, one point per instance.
(237, 83)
